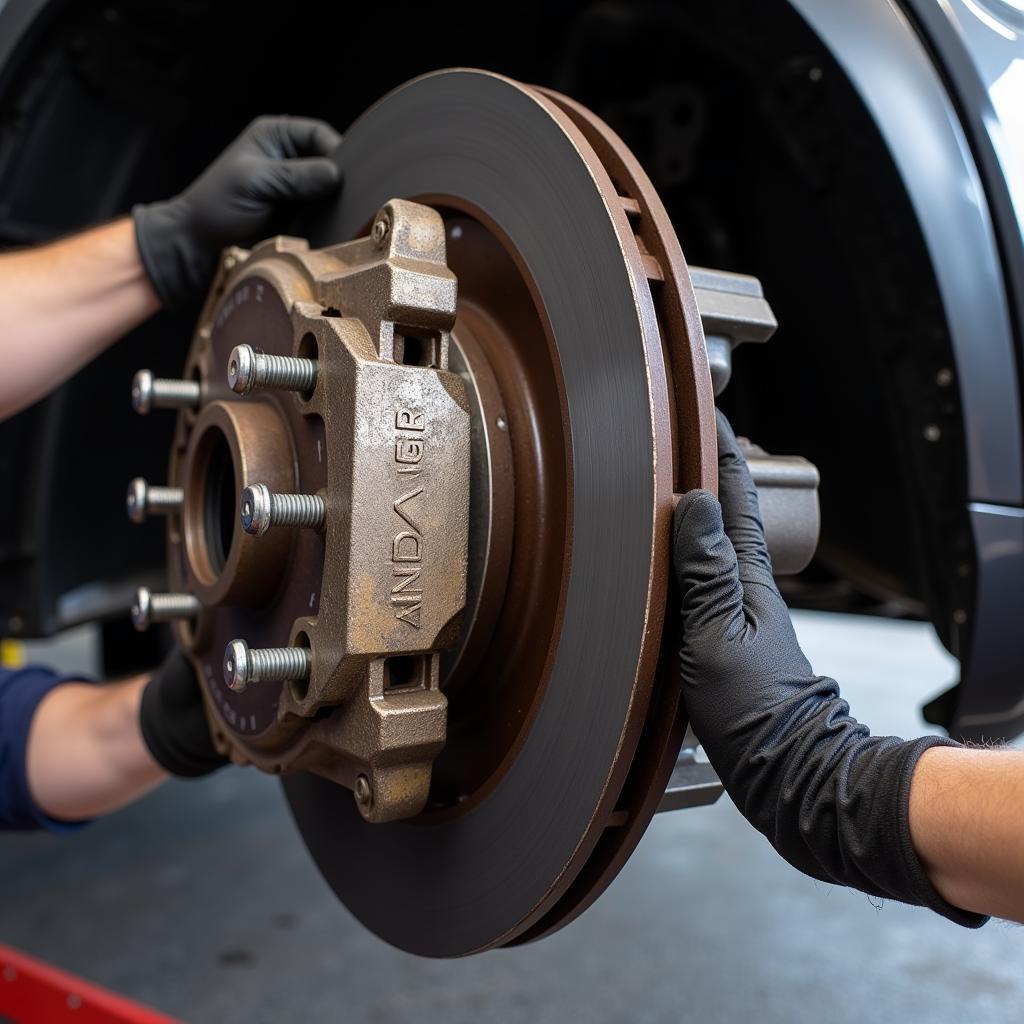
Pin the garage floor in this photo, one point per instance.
(202, 902)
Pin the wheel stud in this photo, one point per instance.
(261, 508)
(145, 500)
(249, 370)
(149, 392)
(243, 665)
(150, 608)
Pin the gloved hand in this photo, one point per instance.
(274, 164)
(173, 721)
(831, 798)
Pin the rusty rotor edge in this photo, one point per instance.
(664, 272)
(676, 458)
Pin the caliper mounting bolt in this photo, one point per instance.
(249, 370)
(261, 508)
(150, 608)
(149, 392)
(145, 500)
(243, 665)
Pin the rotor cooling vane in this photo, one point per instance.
(419, 503)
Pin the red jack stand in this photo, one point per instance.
(33, 992)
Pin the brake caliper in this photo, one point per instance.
(323, 471)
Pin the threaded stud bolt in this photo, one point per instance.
(149, 392)
(261, 508)
(144, 500)
(244, 665)
(249, 370)
(150, 608)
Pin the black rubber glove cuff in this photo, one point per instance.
(175, 267)
(173, 721)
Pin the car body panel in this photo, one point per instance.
(888, 64)
(973, 227)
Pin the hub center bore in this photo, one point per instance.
(231, 444)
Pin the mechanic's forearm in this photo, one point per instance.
(967, 825)
(86, 755)
(62, 304)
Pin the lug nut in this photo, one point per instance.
(149, 608)
(249, 370)
(243, 665)
(261, 508)
(149, 392)
(144, 500)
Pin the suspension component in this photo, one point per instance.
(734, 311)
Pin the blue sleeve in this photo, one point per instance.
(20, 694)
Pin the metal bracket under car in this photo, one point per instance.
(419, 508)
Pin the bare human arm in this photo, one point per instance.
(84, 750)
(86, 754)
(91, 749)
(64, 303)
(967, 823)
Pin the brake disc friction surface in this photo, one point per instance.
(503, 153)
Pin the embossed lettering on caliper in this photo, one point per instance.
(407, 548)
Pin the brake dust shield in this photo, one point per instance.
(474, 634)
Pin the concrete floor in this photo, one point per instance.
(202, 902)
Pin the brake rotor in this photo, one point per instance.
(572, 282)
(471, 392)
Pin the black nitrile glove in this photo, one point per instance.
(832, 799)
(276, 163)
(174, 723)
